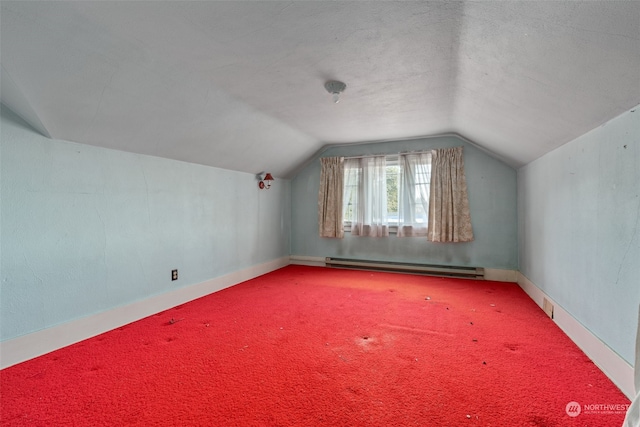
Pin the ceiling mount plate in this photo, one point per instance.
(334, 86)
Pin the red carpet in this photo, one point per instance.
(307, 346)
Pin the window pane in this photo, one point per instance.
(422, 180)
(351, 181)
(393, 174)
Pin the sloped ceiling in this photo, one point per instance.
(239, 85)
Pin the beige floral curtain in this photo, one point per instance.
(449, 216)
(330, 197)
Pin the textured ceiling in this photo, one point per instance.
(239, 85)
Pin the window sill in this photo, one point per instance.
(393, 229)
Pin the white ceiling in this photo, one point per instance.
(239, 84)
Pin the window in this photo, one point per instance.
(351, 182)
(383, 194)
(377, 190)
(393, 179)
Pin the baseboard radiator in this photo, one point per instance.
(404, 267)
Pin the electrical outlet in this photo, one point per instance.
(174, 275)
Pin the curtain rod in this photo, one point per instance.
(387, 155)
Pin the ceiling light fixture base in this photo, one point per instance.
(335, 88)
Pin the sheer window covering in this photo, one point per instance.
(413, 194)
(370, 207)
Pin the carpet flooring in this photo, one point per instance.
(305, 346)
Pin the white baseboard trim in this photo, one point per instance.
(615, 367)
(498, 275)
(313, 261)
(32, 345)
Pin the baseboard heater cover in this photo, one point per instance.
(403, 267)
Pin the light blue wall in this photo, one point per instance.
(579, 213)
(492, 198)
(86, 229)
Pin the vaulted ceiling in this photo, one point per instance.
(239, 84)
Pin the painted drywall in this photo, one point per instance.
(579, 238)
(87, 229)
(492, 199)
